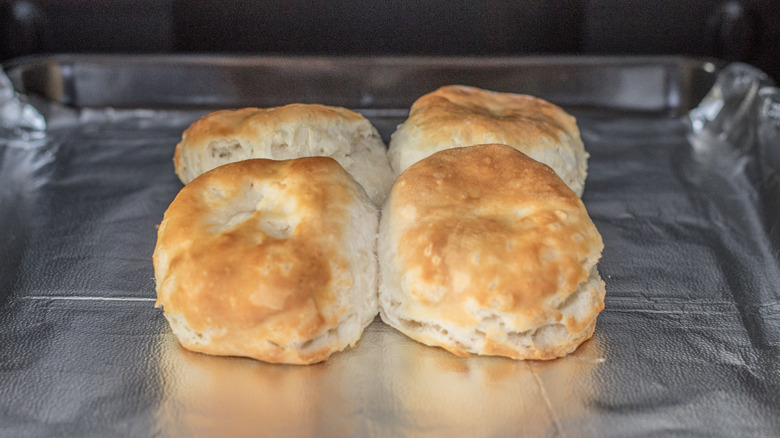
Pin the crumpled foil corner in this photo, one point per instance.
(16, 115)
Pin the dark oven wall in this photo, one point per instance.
(733, 30)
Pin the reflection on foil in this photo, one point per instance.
(437, 394)
(386, 386)
(208, 396)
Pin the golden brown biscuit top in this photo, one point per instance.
(489, 224)
(257, 241)
(524, 119)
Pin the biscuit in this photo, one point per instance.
(286, 132)
(455, 116)
(483, 250)
(273, 260)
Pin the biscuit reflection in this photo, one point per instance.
(209, 396)
(438, 394)
(388, 385)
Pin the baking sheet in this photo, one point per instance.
(688, 345)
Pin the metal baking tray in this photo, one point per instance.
(688, 345)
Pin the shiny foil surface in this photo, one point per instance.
(688, 345)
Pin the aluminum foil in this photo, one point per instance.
(688, 345)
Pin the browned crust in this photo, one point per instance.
(256, 287)
(490, 226)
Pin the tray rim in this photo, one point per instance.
(60, 89)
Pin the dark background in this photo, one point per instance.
(731, 30)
